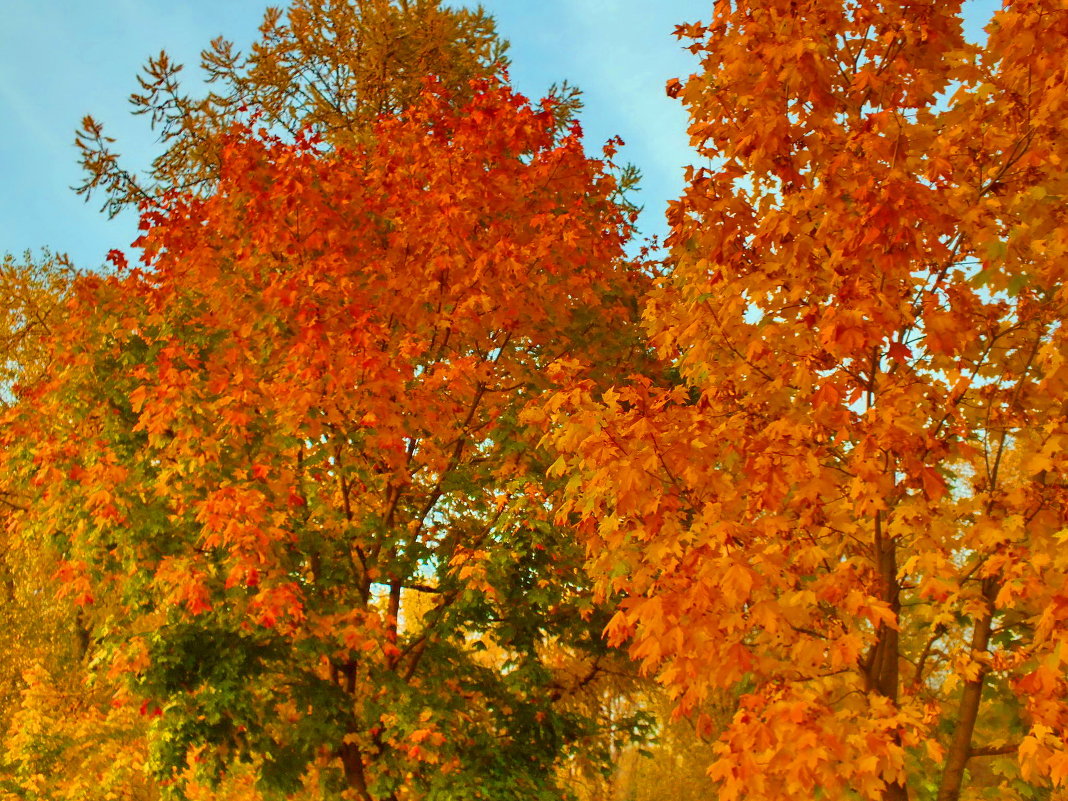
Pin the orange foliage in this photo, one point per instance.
(853, 501)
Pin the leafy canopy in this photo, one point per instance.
(852, 503)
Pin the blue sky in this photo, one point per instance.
(61, 59)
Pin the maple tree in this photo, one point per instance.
(300, 415)
(849, 500)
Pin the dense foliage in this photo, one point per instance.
(855, 495)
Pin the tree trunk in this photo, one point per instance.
(883, 672)
(968, 711)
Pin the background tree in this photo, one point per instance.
(654, 755)
(674, 764)
(854, 504)
(67, 738)
(306, 410)
(329, 66)
(33, 291)
(40, 633)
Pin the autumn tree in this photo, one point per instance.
(300, 413)
(327, 70)
(851, 502)
(330, 66)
